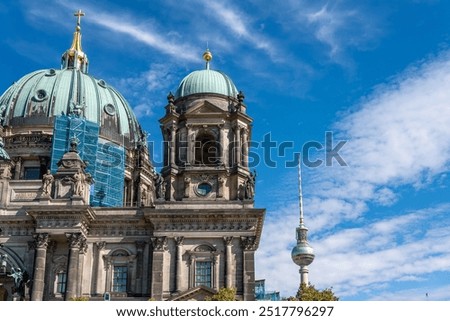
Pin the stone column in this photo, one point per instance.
(81, 256)
(41, 241)
(229, 263)
(245, 147)
(179, 267)
(97, 276)
(166, 155)
(159, 247)
(49, 276)
(238, 146)
(75, 240)
(216, 272)
(190, 142)
(172, 144)
(140, 246)
(222, 149)
(183, 145)
(248, 267)
(107, 268)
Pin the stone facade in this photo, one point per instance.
(180, 234)
(159, 245)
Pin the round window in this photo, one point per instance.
(40, 95)
(110, 109)
(204, 189)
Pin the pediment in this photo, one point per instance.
(199, 293)
(205, 108)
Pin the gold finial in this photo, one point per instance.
(207, 55)
(78, 14)
(74, 57)
(76, 44)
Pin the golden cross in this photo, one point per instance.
(79, 14)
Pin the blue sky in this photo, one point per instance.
(375, 74)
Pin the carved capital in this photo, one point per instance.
(76, 240)
(179, 240)
(228, 240)
(159, 243)
(237, 128)
(248, 243)
(100, 245)
(41, 240)
(83, 246)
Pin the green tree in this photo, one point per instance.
(310, 293)
(224, 294)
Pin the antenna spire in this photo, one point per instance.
(300, 193)
(302, 254)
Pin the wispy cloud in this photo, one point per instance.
(397, 136)
(128, 27)
(398, 142)
(328, 22)
(389, 251)
(151, 83)
(235, 21)
(338, 25)
(369, 257)
(144, 34)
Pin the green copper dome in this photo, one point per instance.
(206, 81)
(38, 97)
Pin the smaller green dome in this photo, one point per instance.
(206, 81)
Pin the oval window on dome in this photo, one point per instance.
(204, 189)
(41, 95)
(110, 109)
(51, 72)
(102, 83)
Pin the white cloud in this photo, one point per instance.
(397, 137)
(151, 83)
(129, 27)
(338, 25)
(144, 33)
(236, 22)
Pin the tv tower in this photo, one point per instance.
(302, 254)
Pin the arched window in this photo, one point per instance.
(120, 270)
(206, 149)
(204, 266)
(61, 282)
(59, 276)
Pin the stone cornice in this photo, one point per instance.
(244, 222)
(56, 219)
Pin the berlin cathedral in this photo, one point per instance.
(83, 212)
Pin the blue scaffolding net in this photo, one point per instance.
(105, 159)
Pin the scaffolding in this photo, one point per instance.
(105, 160)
